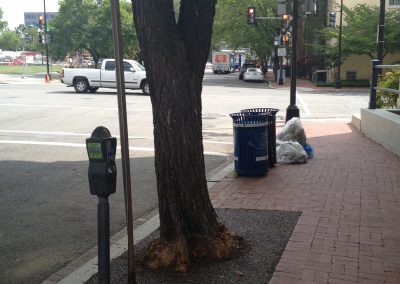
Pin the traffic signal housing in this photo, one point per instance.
(332, 19)
(285, 18)
(41, 22)
(285, 39)
(251, 16)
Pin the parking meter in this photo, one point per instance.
(101, 148)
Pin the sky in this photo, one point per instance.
(13, 10)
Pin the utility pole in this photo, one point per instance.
(48, 77)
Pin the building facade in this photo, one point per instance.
(358, 67)
(31, 18)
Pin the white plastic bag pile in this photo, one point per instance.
(290, 143)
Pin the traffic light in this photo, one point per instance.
(285, 39)
(41, 22)
(285, 18)
(251, 16)
(332, 19)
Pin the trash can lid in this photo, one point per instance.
(244, 119)
(273, 111)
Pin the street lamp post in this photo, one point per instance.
(338, 84)
(292, 110)
(381, 33)
(48, 77)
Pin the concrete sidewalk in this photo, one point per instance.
(349, 195)
(307, 85)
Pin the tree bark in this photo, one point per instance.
(175, 54)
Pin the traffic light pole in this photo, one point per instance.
(292, 110)
(48, 77)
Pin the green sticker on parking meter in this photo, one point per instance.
(94, 151)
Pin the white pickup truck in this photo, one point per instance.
(90, 80)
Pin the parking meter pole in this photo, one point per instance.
(123, 128)
(103, 233)
(102, 175)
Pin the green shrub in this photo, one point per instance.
(385, 99)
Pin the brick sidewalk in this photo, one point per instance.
(349, 195)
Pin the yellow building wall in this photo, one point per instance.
(351, 3)
(358, 63)
(362, 65)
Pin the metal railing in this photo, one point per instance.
(374, 82)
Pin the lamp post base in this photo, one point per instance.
(292, 111)
(338, 84)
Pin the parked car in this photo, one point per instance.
(244, 68)
(253, 74)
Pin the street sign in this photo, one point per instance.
(282, 51)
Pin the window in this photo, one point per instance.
(351, 75)
(110, 66)
(394, 2)
(127, 66)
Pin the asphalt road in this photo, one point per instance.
(48, 217)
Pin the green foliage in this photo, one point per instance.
(10, 40)
(30, 69)
(232, 32)
(359, 32)
(386, 99)
(345, 83)
(3, 24)
(86, 25)
(31, 41)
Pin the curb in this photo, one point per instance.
(81, 274)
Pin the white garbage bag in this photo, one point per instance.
(293, 131)
(289, 152)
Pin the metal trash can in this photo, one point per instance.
(271, 130)
(250, 142)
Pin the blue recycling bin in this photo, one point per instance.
(250, 143)
(272, 160)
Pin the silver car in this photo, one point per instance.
(253, 74)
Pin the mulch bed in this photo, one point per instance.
(265, 234)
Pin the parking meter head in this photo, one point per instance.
(102, 174)
(101, 147)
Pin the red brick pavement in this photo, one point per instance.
(349, 195)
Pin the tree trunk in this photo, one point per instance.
(175, 54)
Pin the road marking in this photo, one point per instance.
(62, 144)
(78, 107)
(304, 105)
(62, 133)
(88, 135)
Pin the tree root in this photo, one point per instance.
(179, 253)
